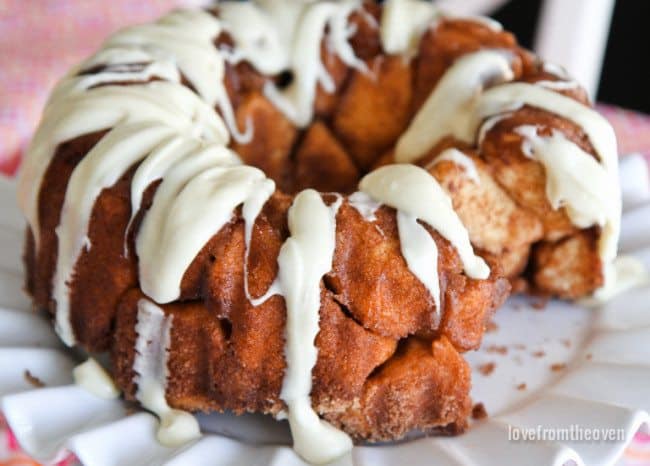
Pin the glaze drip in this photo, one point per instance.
(460, 107)
(416, 195)
(512, 96)
(192, 204)
(448, 109)
(304, 258)
(73, 111)
(403, 22)
(91, 376)
(304, 62)
(459, 158)
(154, 332)
(101, 168)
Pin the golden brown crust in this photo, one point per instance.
(398, 398)
(270, 149)
(449, 40)
(374, 109)
(566, 267)
(495, 223)
(387, 364)
(322, 162)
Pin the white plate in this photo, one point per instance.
(554, 368)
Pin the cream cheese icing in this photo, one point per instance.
(101, 168)
(627, 272)
(154, 333)
(91, 376)
(365, 205)
(462, 104)
(304, 258)
(297, 100)
(459, 158)
(403, 22)
(405, 188)
(448, 109)
(511, 96)
(74, 112)
(185, 215)
(575, 180)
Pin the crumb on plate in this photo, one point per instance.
(32, 379)
(479, 412)
(487, 368)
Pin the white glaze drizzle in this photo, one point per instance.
(250, 211)
(286, 35)
(365, 205)
(101, 168)
(303, 260)
(557, 70)
(577, 181)
(91, 376)
(512, 96)
(262, 31)
(191, 205)
(464, 107)
(558, 85)
(483, 20)
(447, 110)
(125, 70)
(154, 167)
(403, 22)
(296, 101)
(509, 97)
(417, 196)
(490, 123)
(574, 178)
(153, 328)
(421, 255)
(565, 83)
(72, 112)
(186, 37)
(627, 272)
(459, 158)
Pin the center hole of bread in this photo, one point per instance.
(296, 159)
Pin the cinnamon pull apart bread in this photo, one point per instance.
(311, 210)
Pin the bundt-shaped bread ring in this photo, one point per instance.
(144, 228)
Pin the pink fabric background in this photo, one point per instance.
(41, 39)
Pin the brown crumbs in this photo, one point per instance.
(566, 343)
(539, 354)
(33, 380)
(491, 327)
(521, 386)
(497, 349)
(558, 367)
(479, 412)
(539, 304)
(487, 368)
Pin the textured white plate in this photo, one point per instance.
(557, 367)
